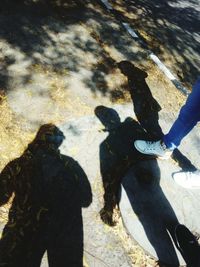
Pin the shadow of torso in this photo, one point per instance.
(117, 154)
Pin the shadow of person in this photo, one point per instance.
(146, 108)
(49, 191)
(117, 156)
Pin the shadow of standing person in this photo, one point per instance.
(49, 191)
(117, 157)
(117, 154)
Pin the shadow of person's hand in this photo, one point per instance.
(107, 216)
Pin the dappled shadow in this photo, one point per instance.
(31, 39)
(63, 37)
(171, 29)
(49, 191)
(97, 81)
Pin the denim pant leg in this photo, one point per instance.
(188, 117)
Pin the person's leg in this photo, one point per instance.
(188, 117)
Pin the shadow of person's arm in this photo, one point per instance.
(7, 177)
(82, 183)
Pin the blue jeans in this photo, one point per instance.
(188, 117)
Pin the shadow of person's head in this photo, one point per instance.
(130, 70)
(49, 135)
(108, 117)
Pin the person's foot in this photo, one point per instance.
(157, 148)
(190, 180)
(187, 245)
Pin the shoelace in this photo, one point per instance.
(162, 144)
(151, 145)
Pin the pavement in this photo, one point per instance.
(83, 72)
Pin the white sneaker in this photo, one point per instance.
(190, 180)
(157, 148)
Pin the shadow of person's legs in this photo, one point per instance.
(152, 209)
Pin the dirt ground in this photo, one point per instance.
(57, 63)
